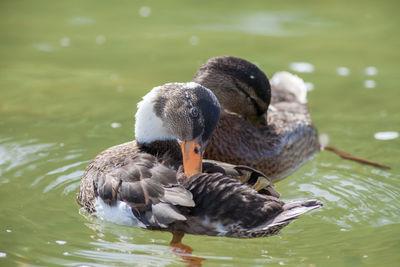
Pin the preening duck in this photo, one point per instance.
(159, 181)
(263, 125)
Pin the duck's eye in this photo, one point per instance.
(196, 150)
(194, 112)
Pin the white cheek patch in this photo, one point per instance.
(149, 127)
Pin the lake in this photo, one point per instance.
(72, 72)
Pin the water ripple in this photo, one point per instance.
(352, 197)
(27, 157)
(16, 154)
(64, 180)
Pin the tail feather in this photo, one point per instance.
(293, 209)
(284, 81)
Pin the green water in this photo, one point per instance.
(72, 72)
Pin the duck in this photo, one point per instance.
(160, 181)
(264, 125)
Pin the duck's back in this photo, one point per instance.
(277, 149)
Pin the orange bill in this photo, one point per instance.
(192, 157)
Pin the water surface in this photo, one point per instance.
(72, 72)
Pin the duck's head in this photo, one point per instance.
(186, 112)
(239, 85)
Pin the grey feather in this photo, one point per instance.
(293, 209)
(177, 195)
(162, 214)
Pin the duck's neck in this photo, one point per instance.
(166, 150)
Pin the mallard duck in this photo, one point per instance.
(263, 125)
(160, 182)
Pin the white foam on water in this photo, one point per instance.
(145, 11)
(371, 71)
(386, 135)
(343, 71)
(303, 67)
(65, 41)
(115, 124)
(100, 39)
(369, 84)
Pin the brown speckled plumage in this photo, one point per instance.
(275, 141)
(288, 141)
